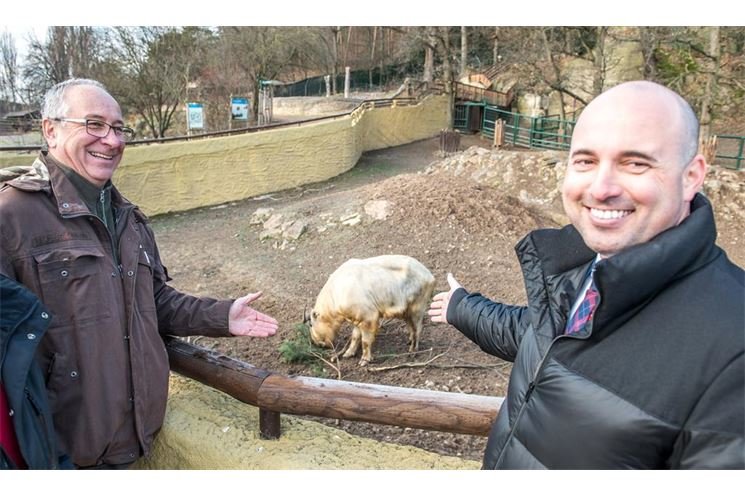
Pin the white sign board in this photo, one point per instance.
(239, 109)
(195, 113)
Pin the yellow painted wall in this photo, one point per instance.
(178, 176)
(207, 429)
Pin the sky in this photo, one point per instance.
(36, 16)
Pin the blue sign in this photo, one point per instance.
(195, 115)
(239, 109)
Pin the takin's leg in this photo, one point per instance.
(369, 330)
(414, 323)
(354, 343)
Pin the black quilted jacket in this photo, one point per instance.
(657, 380)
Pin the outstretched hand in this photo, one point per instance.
(438, 309)
(245, 321)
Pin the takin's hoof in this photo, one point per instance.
(363, 362)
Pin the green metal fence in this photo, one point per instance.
(730, 151)
(556, 134)
(532, 132)
(359, 80)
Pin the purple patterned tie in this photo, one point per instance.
(585, 311)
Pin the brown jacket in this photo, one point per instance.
(106, 365)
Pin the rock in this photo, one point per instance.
(294, 230)
(273, 233)
(350, 219)
(260, 215)
(273, 222)
(378, 209)
(352, 222)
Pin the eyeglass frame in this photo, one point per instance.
(123, 133)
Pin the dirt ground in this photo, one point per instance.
(462, 214)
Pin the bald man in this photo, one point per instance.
(630, 351)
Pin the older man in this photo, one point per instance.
(630, 351)
(74, 240)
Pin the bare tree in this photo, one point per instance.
(260, 53)
(67, 51)
(430, 43)
(463, 50)
(156, 65)
(8, 67)
(712, 73)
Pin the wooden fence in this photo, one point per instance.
(275, 393)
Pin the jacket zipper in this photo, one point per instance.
(52, 457)
(526, 396)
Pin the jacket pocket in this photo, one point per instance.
(73, 284)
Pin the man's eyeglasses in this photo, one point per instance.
(100, 129)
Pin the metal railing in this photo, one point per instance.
(556, 134)
(730, 151)
(529, 131)
(276, 393)
(364, 104)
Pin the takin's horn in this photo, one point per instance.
(306, 317)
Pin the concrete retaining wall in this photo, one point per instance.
(172, 177)
(207, 429)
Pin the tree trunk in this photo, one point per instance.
(556, 75)
(372, 56)
(429, 56)
(711, 84)
(463, 50)
(599, 61)
(447, 66)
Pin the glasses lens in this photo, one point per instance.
(97, 128)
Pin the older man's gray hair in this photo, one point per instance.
(54, 105)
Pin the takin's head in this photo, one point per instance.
(322, 330)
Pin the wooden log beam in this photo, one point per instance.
(238, 379)
(379, 404)
(390, 405)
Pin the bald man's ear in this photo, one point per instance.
(49, 130)
(693, 177)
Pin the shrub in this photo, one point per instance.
(299, 348)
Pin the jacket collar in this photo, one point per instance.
(46, 175)
(555, 261)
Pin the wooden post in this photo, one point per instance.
(269, 424)
(708, 148)
(498, 133)
(346, 81)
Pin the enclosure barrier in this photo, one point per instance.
(275, 393)
(553, 133)
(364, 104)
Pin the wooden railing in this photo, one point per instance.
(276, 393)
(478, 94)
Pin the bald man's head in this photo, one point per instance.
(680, 112)
(633, 169)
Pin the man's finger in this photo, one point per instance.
(251, 297)
(439, 296)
